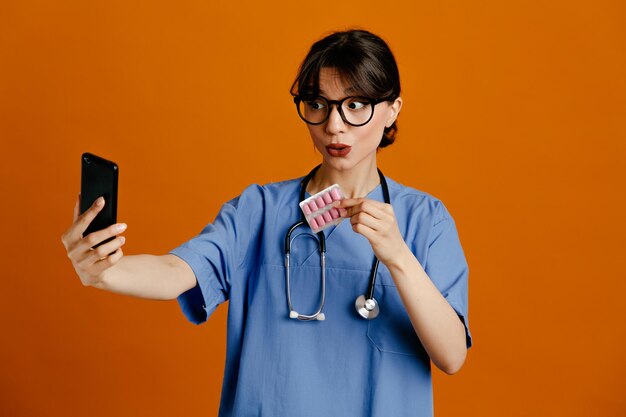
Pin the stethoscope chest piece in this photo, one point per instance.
(367, 308)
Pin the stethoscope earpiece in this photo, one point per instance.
(317, 316)
(367, 308)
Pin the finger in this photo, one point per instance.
(366, 219)
(373, 207)
(108, 262)
(83, 221)
(347, 206)
(364, 230)
(102, 252)
(76, 208)
(95, 238)
(69, 236)
(348, 202)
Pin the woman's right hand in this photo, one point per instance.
(91, 264)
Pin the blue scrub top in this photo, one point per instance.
(345, 365)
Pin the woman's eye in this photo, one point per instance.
(315, 105)
(356, 105)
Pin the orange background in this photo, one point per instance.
(514, 117)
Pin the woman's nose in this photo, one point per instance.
(335, 123)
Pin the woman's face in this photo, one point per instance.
(343, 146)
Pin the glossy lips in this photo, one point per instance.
(338, 149)
(318, 210)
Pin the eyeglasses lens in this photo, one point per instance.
(356, 110)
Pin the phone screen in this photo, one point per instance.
(98, 179)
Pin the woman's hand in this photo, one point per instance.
(377, 222)
(90, 263)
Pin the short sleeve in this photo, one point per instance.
(216, 254)
(446, 266)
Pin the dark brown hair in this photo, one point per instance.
(363, 60)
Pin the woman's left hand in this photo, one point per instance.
(376, 221)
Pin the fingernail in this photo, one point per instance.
(121, 227)
(100, 202)
(122, 240)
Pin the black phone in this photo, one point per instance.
(99, 179)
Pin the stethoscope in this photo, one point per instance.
(365, 304)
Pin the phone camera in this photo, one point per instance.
(87, 160)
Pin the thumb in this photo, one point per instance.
(76, 208)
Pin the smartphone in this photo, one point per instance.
(99, 179)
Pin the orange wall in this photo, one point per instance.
(514, 117)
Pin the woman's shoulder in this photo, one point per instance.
(274, 188)
(273, 193)
(417, 201)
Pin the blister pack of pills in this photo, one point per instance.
(319, 211)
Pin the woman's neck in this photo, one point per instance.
(355, 183)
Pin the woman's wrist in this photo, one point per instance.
(400, 263)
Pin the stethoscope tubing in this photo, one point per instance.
(366, 305)
(318, 315)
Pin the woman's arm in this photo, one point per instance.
(437, 325)
(105, 267)
(148, 276)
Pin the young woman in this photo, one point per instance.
(298, 342)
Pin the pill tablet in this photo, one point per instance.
(319, 211)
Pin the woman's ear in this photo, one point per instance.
(394, 110)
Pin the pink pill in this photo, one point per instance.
(334, 213)
(306, 209)
(313, 224)
(320, 202)
(313, 206)
(320, 220)
(327, 198)
(327, 217)
(335, 194)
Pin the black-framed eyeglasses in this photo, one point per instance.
(355, 111)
